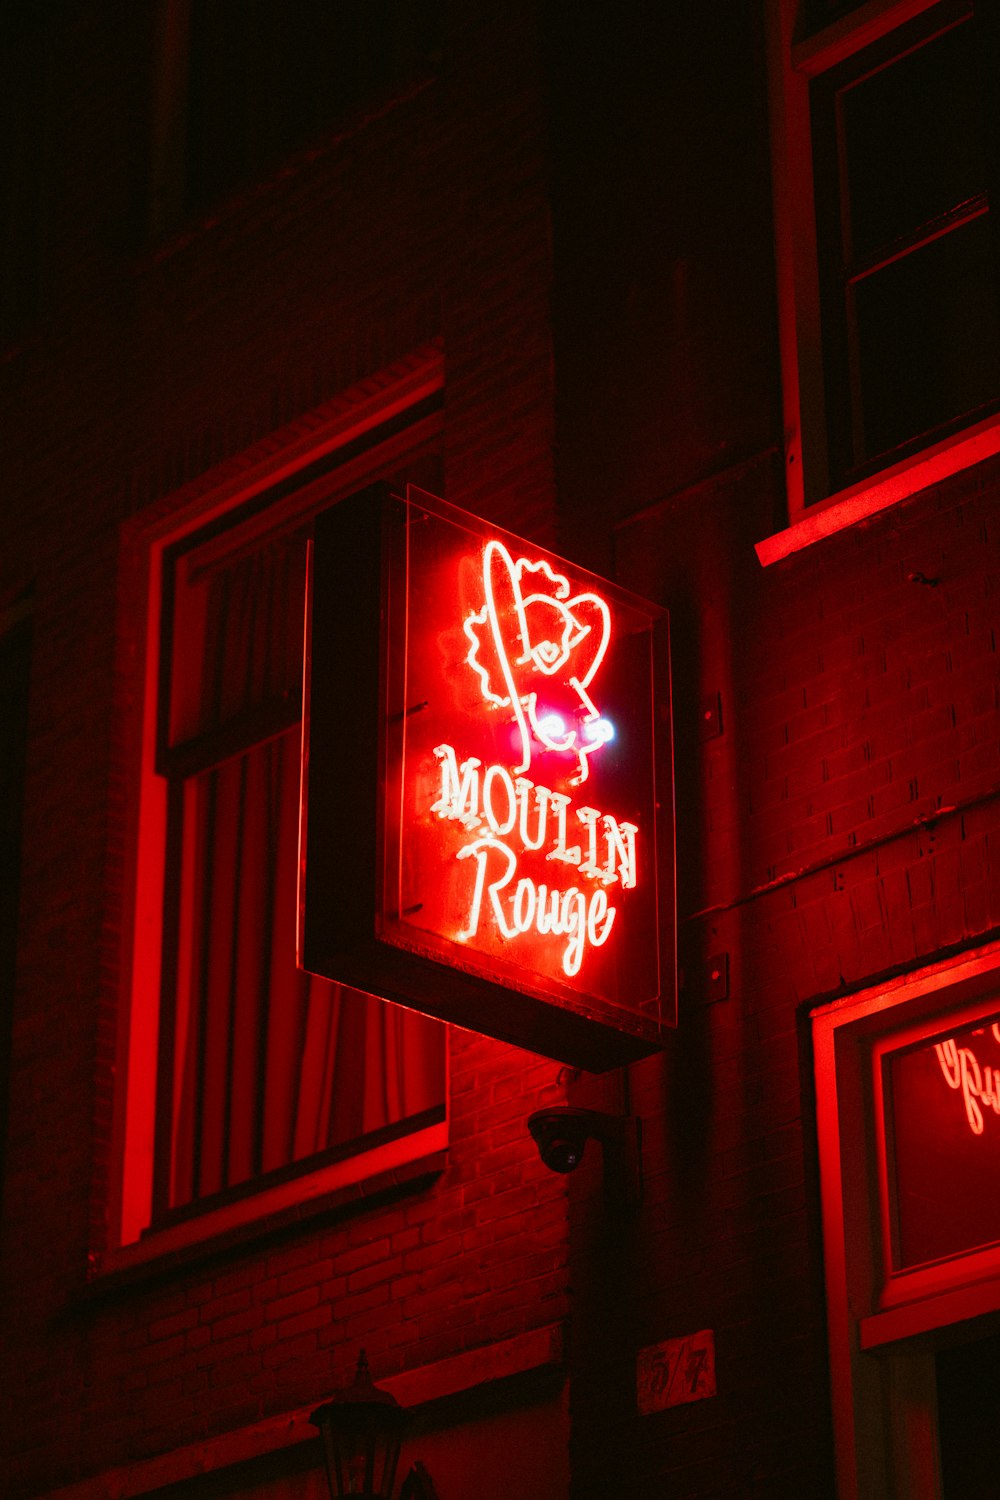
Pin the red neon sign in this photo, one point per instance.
(523, 828)
(536, 654)
(979, 1086)
(943, 1101)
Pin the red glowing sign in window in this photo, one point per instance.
(944, 1111)
(524, 796)
(977, 1084)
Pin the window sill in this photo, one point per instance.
(341, 1187)
(955, 1304)
(870, 496)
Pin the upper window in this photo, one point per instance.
(244, 84)
(263, 1073)
(885, 132)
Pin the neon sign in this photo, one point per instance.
(522, 834)
(535, 654)
(942, 1101)
(538, 653)
(518, 904)
(978, 1085)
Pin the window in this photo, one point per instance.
(270, 1084)
(884, 122)
(908, 1110)
(245, 84)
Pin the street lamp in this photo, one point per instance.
(362, 1430)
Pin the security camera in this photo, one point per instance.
(561, 1135)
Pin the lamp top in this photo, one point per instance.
(360, 1395)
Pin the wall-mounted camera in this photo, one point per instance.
(561, 1135)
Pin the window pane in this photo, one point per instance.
(927, 331)
(945, 1134)
(820, 13)
(237, 634)
(271, 1065)
(913, 140)
(267, 78)
(264, 1066)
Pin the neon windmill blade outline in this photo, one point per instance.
(536, 651)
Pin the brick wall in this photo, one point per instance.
(148, 367)
(841, 829)
(838, 827)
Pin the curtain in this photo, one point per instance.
(271, 1065)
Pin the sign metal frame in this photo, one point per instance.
(360, 838)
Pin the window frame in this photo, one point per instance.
(326, 455)
(815, 508)
(884, 1325)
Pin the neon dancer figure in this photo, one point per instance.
(537, 651)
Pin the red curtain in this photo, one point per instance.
(271, 1065)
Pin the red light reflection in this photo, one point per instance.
(945, 1138)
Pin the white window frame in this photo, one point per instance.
(145, 544)
(814, 511)
(882, 1324)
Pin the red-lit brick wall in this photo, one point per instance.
(583, 222)
(148, 366)
(841, 829)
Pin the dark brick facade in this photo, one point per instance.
(581, 223)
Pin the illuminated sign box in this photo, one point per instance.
(487, 825)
